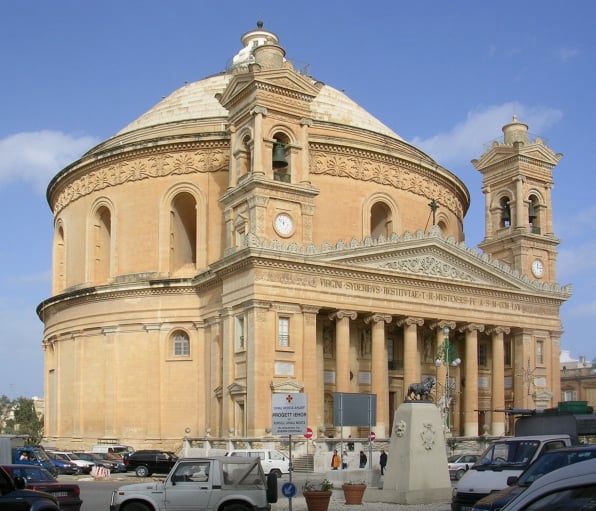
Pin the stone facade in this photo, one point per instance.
(259, 232)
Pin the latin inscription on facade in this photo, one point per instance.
(423, 295)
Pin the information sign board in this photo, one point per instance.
(288, 414)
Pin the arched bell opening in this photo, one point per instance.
(280, 160)
(534, 214)
(505, 213)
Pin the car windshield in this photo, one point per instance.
(454, 458)
(73, 456)
(510, 452)
(41, 455)
(550, 461)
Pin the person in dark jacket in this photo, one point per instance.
(363, 459)
(383, 461)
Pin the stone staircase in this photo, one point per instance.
(303, 463)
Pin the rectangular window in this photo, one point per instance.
(569, 395)
(507, 354)
(482, 356)
(539, 352)
(239, 333)
(283, 332)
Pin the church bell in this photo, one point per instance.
(506, 213)
(531, 211)
(279, 155)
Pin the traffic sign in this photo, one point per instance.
(372, 436)
(308, 434)
(288, 490)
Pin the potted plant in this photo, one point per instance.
(317, 495)
(354, 491)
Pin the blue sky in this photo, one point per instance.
(445, 76)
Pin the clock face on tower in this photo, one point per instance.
(537, 268)
(283, 225)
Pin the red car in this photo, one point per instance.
(37, 478)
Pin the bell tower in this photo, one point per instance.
(517, 182)
(269, 191)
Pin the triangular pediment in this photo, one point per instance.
(276, 78)
(536, 150)
(287, 386)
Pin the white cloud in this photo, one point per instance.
(36, 157)
(566, 54)
(460, 145)
(583, 310)
(576, 260)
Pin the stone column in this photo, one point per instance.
(471, 375)
(498, 380)
(304, 167)
(489, 218)
(312, 367)
(554, 378)
(521, 220)
(380, 373)
(411, 355)
(342, 348)
(257, 155)
(522, 354)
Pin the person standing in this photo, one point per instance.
(383, 461)
(335, 460)
(363, 459)
(344, 460)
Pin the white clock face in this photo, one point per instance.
(537, 268)
(283, 224)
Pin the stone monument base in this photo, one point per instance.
(416, 471)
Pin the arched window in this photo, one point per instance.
(59, 280)
(381, 221)
(183, 233)
(180, 344)
(102, 245)
(505, 210)
(534, 214)
(280, 160)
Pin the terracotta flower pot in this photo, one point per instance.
(317, 500)
(353, 493)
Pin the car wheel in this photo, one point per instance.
(135, 506)
(236, 506)
(277, 472)
(459, 474)
(142, 471)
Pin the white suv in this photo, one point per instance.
(272, 461)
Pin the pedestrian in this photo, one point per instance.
(344, 460)
(335, 460)
(350, 443)
(363, 459)
(383, 461)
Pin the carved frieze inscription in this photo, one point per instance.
(426, 296)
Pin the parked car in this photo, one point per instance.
(89, 456)
(147, 462)
(63, 466)
(13, 495)
(458, 464)
(84, 465)
(114, 458)
(272, 461)
(546, 463)
(38, 478)
(209, 484)
(570, 488)
(120, 450)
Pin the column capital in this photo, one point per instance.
(341, 314)
(498, 330)
(409, 321)
(310, 309)
(258, 110)
(471, 327)
(377, 317)
(442, 323)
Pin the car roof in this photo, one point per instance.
(577, 474)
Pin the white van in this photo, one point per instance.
(121, 450)
(272, 461)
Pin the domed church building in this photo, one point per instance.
(258, 232)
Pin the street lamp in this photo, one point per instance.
(447, 356)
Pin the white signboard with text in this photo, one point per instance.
(288, 414)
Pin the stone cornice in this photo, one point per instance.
(146, 163)
(367, 165)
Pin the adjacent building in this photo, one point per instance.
(257, 232)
